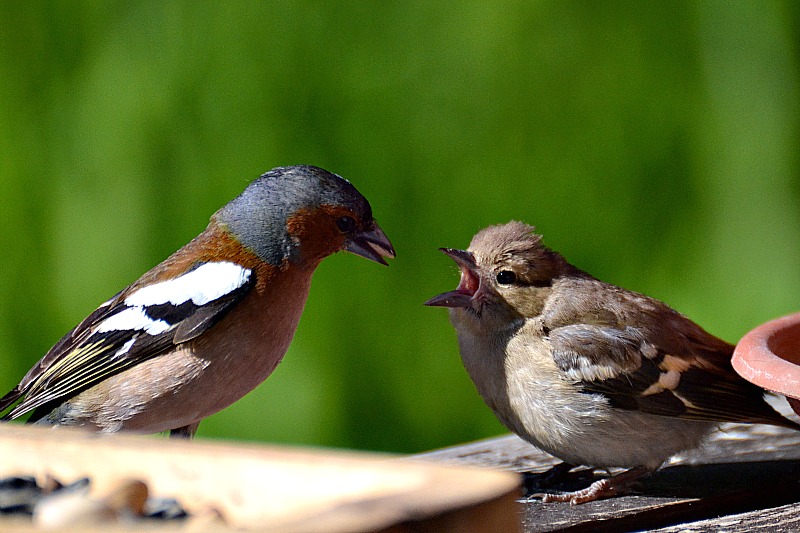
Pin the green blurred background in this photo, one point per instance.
(654, 144)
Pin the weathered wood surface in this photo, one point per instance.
(783, 519)
(744, 479)
(269, 488)
(748, 475)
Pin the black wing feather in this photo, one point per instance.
(84, 356)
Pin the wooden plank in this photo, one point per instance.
(785, 518)
(272, 488)
(742, 468)
(732, 443)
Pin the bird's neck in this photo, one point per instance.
(217, 244)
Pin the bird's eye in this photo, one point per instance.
(346, 224)
(506, 277)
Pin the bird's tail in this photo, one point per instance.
(8, 400)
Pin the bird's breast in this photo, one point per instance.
(519, 381)
(245, 347)
(206, 374)
(517, 378)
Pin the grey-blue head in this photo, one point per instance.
(296, 209)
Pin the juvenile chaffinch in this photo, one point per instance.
(211, 322)
(592, 373)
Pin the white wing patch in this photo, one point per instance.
(132, 318)
(126, 347)
(204, 284)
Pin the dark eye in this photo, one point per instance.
(346, 224)
(506, 277)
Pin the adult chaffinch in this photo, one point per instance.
(592, 373)
(211, 322)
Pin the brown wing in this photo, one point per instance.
(635, 373)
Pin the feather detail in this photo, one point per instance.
(135, 325)
(688, 387)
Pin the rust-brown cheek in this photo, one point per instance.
(315, 229)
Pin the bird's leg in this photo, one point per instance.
(603, 488)
(185, 432)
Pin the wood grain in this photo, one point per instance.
(741, 469)
(262, 487)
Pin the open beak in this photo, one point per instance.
(467, 287)
(372, 244)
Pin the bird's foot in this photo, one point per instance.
(600, 489)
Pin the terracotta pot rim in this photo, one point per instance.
(762, 356)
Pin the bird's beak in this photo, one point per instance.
(372, 244)
(467, 287)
